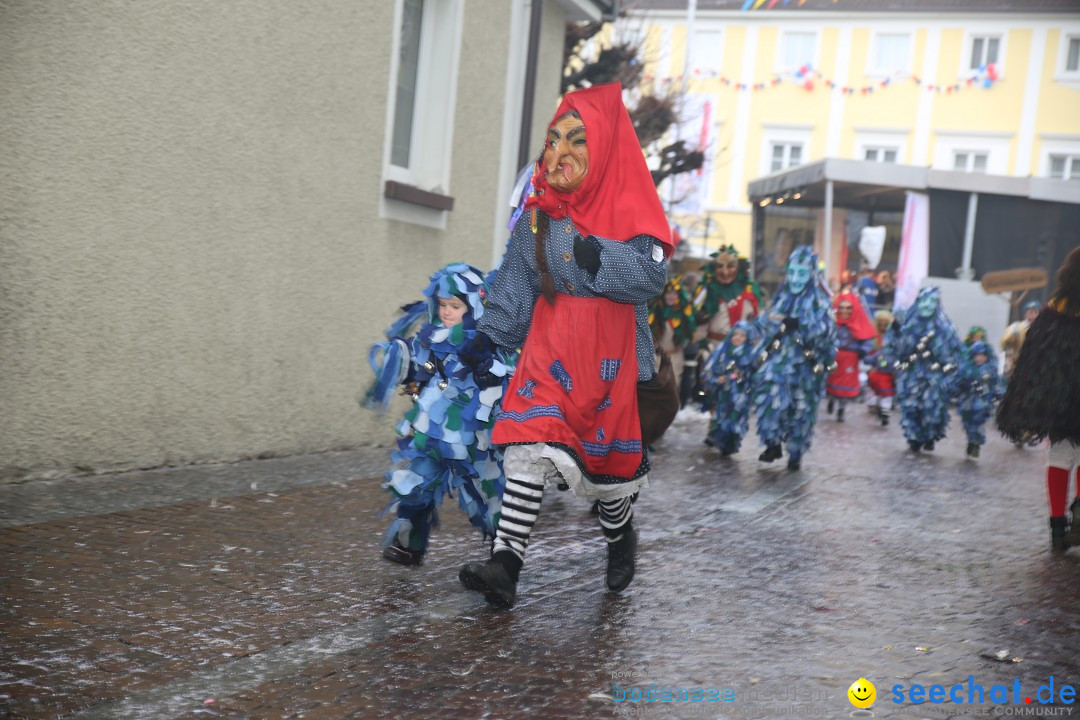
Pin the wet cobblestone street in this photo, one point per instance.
(256, 590)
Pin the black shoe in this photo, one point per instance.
(915, 446)
(840, 414)
(973, 450)
(928, 445)
(1072, 538)
(773, 452)
(794, 464)
(1058, 541)
(884, 420)
(497, 578)
(620, 560)
(402, 556)
(829, 406)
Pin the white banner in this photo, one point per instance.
(914, 249)
(688, 196)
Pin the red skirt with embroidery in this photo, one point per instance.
(843, 382)
(575, 387)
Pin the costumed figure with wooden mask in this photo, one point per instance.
(794, 355)
(927, 353)
(855, 336)
(585, 256)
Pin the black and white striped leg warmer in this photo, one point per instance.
(520, 508)
(614, 516)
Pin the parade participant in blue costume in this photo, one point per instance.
(795, 353)
(587, 253)
(927, 352)
(978, 389)
(445, 440)
(727, 383)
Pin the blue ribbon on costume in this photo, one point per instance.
(388, 374)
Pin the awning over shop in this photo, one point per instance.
(978, 222)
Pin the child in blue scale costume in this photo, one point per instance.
(927, 353)
(727, 384)
(794, 355)
(979, 387)
(445, 438)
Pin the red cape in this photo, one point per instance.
(861, 327)
(618, 199)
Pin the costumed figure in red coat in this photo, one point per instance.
(586, 255)
(854, 340)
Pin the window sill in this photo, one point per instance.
(413, 195)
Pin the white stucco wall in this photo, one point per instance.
(192, 265)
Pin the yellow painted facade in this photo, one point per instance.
(1030, 112)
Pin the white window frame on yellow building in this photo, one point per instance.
(984, 31)
(431, 140)
(784, 134)
(873, 70)
(1062, 73)
(881, 139)
(712, 59)
(1071, 168)
(995, 145)
(781, 46)
(1055, 144)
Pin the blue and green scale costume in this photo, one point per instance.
(445, 437)
(927, 353)
(794, 356)
(726, 378)
(978, 390)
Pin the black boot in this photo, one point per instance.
(884, 419)
(840, 414)
(915, 445)
(772, 452)
(620, 559)
(1058, 538)
(928, 445)
(1072, 538)
(730, 447)
(497, 578)
(973, 450)
(402, 556)
(829, 406)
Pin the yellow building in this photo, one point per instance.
(983, 86)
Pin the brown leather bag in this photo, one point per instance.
(658, 402)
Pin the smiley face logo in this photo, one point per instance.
(862, 693)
